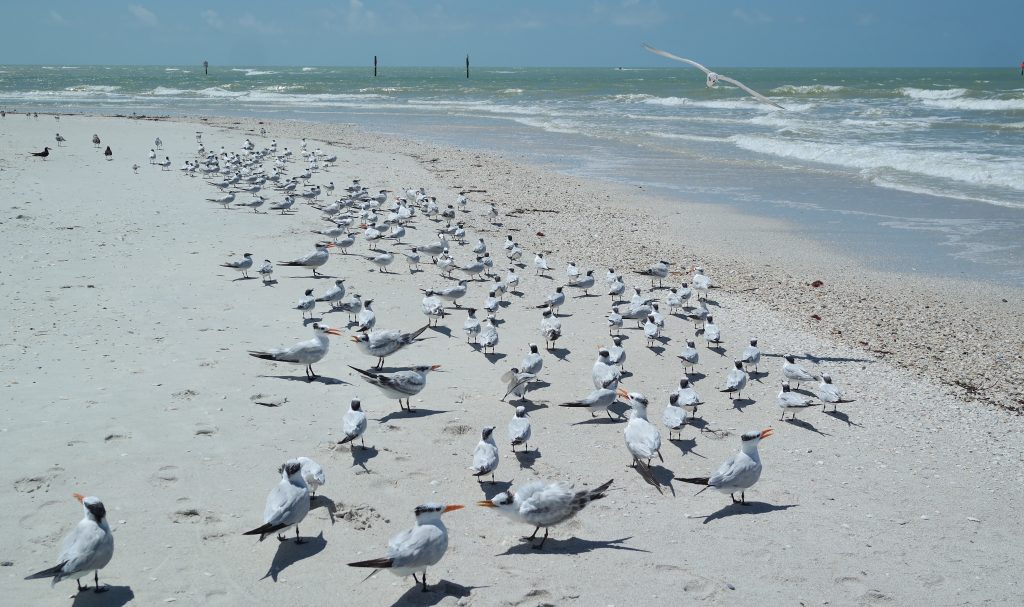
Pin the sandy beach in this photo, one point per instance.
(125, 376)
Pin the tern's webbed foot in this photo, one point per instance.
(299, 540)
(100, 589)
(281, 538)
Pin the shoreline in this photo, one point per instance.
(911, 325)
(126, 377)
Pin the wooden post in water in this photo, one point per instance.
(375, 66)
(206, 68)
(467, 65)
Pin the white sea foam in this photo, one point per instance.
(914, 93)
(309, 69)
(940, 192)
(92, 88)
(983, 105)
(808, 89)
(163, 91)
(956, 166)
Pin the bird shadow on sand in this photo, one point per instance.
(404, 414)
(361, 455)
(494, 357)
(806, 425)
(307, 276)
(561, 354)
(757, 376)
(289, 553)
(270, 283)
(244, 278)
(572, 545)
(749, 508)
(443, 330)
(539, 384)
(113, 596)
(663, 476)
(600, 419)
(322, 501)
(717, 349)
(435, 593)
(694, 376)
(742, 403)
(527, 458)
(820, 359)
(306, 321)
(843, 417)
(491, 489)
(657, 350)
(330, 381)
(529, 404)
(686, 446)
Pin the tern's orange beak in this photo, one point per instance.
(79, 497)
(332, 331)
(766, 432)
(331, 245)
(622, 392)
(355, 338)
(435, 367)
(485, 504)
(453, 507)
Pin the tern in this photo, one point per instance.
(544, 504)
(736, 380)
(354, 424)
(687, 396)
(598, 400)
(572, 272)
(614, 320)
(381, 343)
(95, 140)
(658, 271)
(585, 283)
(433, 308)
(643, 441)
(313, 260)
(382, 260)
(471, 326)
(541, 264)
(287, 504)
(415, 549)
(488, 336)
(532, 362)
(677, 298)
(485, 456)
(792, 402)
(554, 301)
(739, 472)
(690, 356)
(712, 333)
(334, 294)
(266, 271)
(367, 318)
(351, 305)
(674, 416)
(713, 79)
(400, 384)
(306, 304)
(794, 372)
(242, 265)
(452, 294)
(43, 154)
(828, 392)
(550, 328)
(303, 353)
(605, 374)
(59, 139)
(519, 429)
(413, 259)
(701, 282)
(313, 474)
(87, 549)
(617, 354)
(518, 383)
(751, 354)
(224, 200)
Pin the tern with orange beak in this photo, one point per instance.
(544, 504)
(739, 472)
(312, 260)
(382, 343)
(303, 353)
(87, 549)
(415, 549)
(401, 384)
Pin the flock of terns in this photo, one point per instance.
(375, 218)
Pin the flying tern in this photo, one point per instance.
(713, 79)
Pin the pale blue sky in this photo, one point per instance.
(951, 33)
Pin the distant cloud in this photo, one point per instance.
(143, 15)
(359, 17)
(212, 19)
(630, 13)
(57, 18)
(249, 22)
(754, 16)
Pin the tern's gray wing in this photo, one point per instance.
(750, 91)
(677, 58)
(87, 547)
(738, 470)
(286, 505)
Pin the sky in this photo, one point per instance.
(520, 33)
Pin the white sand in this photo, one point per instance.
(124, 375)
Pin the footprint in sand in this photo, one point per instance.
(166, 475)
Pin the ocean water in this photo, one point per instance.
(916, 170)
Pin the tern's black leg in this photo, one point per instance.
(541, 544)
(298, 540)
(415, 579)
(733, 496)
(424, 581)
(531, 538)
(96, 577)
(79, 582)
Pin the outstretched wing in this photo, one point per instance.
(750, 91)
(677, 58)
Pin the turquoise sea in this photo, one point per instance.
(917, 170)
